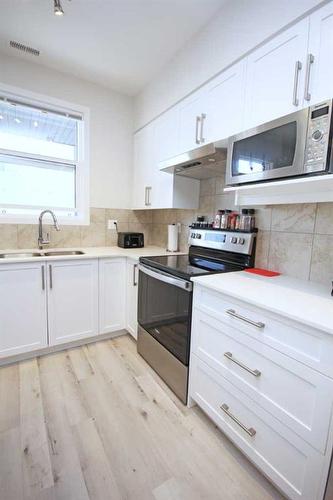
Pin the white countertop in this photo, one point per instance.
(303, 301)
(89, 253)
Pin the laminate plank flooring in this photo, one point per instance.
(96, 423)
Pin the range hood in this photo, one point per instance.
(200, 163)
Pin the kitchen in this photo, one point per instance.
(166, 249)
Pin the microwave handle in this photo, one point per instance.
(298, 67)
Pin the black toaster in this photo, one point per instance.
(130, 240)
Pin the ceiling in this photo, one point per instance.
(120, 44)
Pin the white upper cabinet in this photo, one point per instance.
(276, 76)
(192, 121)
(171, 191)
(144, 157)
(72, 299)
(167, 134)
(319, 64)
(153, 188)
(225, 103)
(23, 325)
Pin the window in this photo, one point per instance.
(43, 160)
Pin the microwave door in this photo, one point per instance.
(270, 151)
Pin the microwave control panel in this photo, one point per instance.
(318, 136)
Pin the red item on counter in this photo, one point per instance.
(262, 272)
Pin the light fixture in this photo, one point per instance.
(35, 124)
(58, 10)
(1, 117)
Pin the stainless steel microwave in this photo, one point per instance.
(296, 144)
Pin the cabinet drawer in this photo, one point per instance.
(312, 347)
(293, 465)
(298, 396)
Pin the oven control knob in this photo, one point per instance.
(317, 135)
(241, 241)
(198, 236)
(233, 239)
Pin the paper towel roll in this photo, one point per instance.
(172, 238)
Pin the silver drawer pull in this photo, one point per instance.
(257, 324)
(250, 431)
(255, 373)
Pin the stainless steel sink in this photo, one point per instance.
(59, 253)
(20, 255)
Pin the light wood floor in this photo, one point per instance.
(95, 422)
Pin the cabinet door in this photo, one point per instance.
(23, 325)
(320, 67)
(166, 129)
(144, 152)
(225, 96)
(192, 121)
(72, 299)
(167, 134)
(132, 297)
(112, 294)
(275, 76)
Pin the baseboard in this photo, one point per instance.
(61, 347)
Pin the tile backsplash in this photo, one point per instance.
(14, 236)
(296, 240)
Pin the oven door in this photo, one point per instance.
(270, 151)
(164, 310)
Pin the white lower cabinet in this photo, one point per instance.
(112, 294)
(72, 299)
(132, 276)
(53, 302)
(23, 325)
(265, 382)
(292, 464)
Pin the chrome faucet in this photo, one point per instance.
(41, 240)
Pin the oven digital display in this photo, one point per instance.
(217, 237)
(319, 112)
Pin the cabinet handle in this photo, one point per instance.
(298, 67)
(146, 192)
(149, 188)
(234, 314)
(135, 283)
(202, 139)
(50, 276)
(43, 277)
(197, 122)
(250, 431)
(310, 61)
(255, 373)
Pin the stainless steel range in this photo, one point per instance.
(165, 298)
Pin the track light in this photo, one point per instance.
(58, 10)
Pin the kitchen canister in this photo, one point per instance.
(172, 238)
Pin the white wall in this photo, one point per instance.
(239, 27)
(111, 120)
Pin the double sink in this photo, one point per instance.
(26, 255)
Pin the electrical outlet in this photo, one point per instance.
(112, 224)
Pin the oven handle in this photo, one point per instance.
(166, 278)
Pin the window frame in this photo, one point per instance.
(81, 214)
